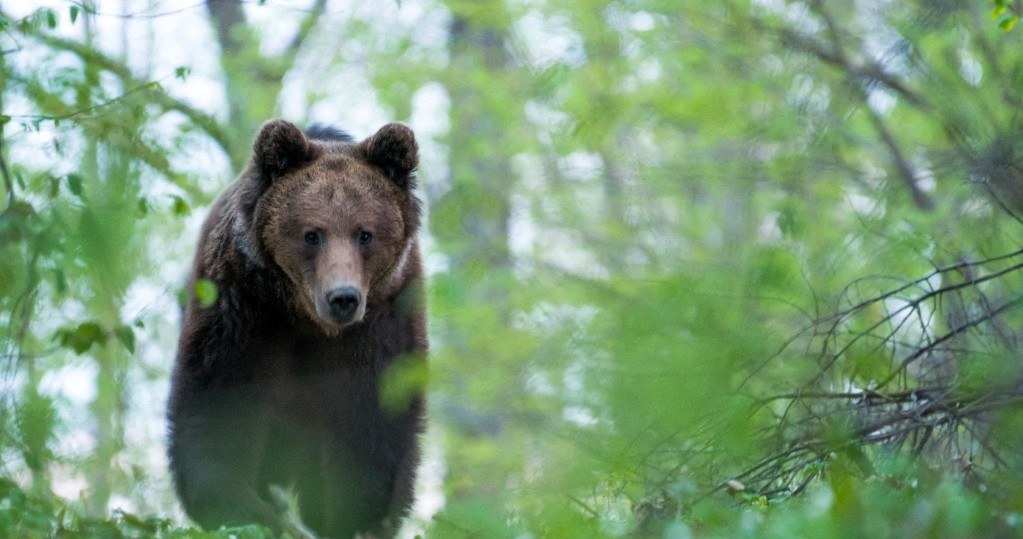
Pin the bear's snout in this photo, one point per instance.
(343, 302)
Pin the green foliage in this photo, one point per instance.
(917, 504)
(36, 422)
(406, 378)
(1006, 14)
(25, 516)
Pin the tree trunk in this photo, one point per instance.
(253, 82)
(471, 220)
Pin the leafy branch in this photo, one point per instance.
(89, 55)
(862, 75)
(77, 113)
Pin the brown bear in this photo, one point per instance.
(314, 255)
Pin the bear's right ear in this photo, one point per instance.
(280, 146)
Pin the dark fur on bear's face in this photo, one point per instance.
(314, 254)
(335, 217)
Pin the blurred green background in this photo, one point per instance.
(696, 269)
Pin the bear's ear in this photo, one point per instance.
(393, 149)
(280, 146)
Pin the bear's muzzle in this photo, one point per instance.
(344, 303)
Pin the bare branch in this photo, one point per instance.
(865, 73)
(69, 114)
(148, 14)
(902, 165)
(837, 417)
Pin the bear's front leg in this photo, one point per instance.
(216, 444)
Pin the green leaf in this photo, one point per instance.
(1007, 21)
(126, 335)
(182, 72)
(74, 184)
(180, 207)
(51, 18)
(182, 297)
(74, 13)
(205, 293)
(60, 281)
(143, 206)
(82, 337)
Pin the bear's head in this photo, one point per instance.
(336, 217)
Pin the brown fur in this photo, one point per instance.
(277, 383)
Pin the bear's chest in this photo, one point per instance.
(320, 382)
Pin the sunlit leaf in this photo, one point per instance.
(205, 292)
(1007, 21)
(126, 335)
(405, 379)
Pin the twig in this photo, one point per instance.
(8, 183)
(84, 111)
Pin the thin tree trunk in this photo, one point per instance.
(253, 82)
(477, 210)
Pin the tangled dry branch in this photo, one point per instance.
(921, 368)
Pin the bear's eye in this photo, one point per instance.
(364, 238)
(312, 238)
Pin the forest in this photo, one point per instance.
(744, 268)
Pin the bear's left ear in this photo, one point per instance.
(393, 149)
(280, 146)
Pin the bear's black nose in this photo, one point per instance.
(343, 302)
